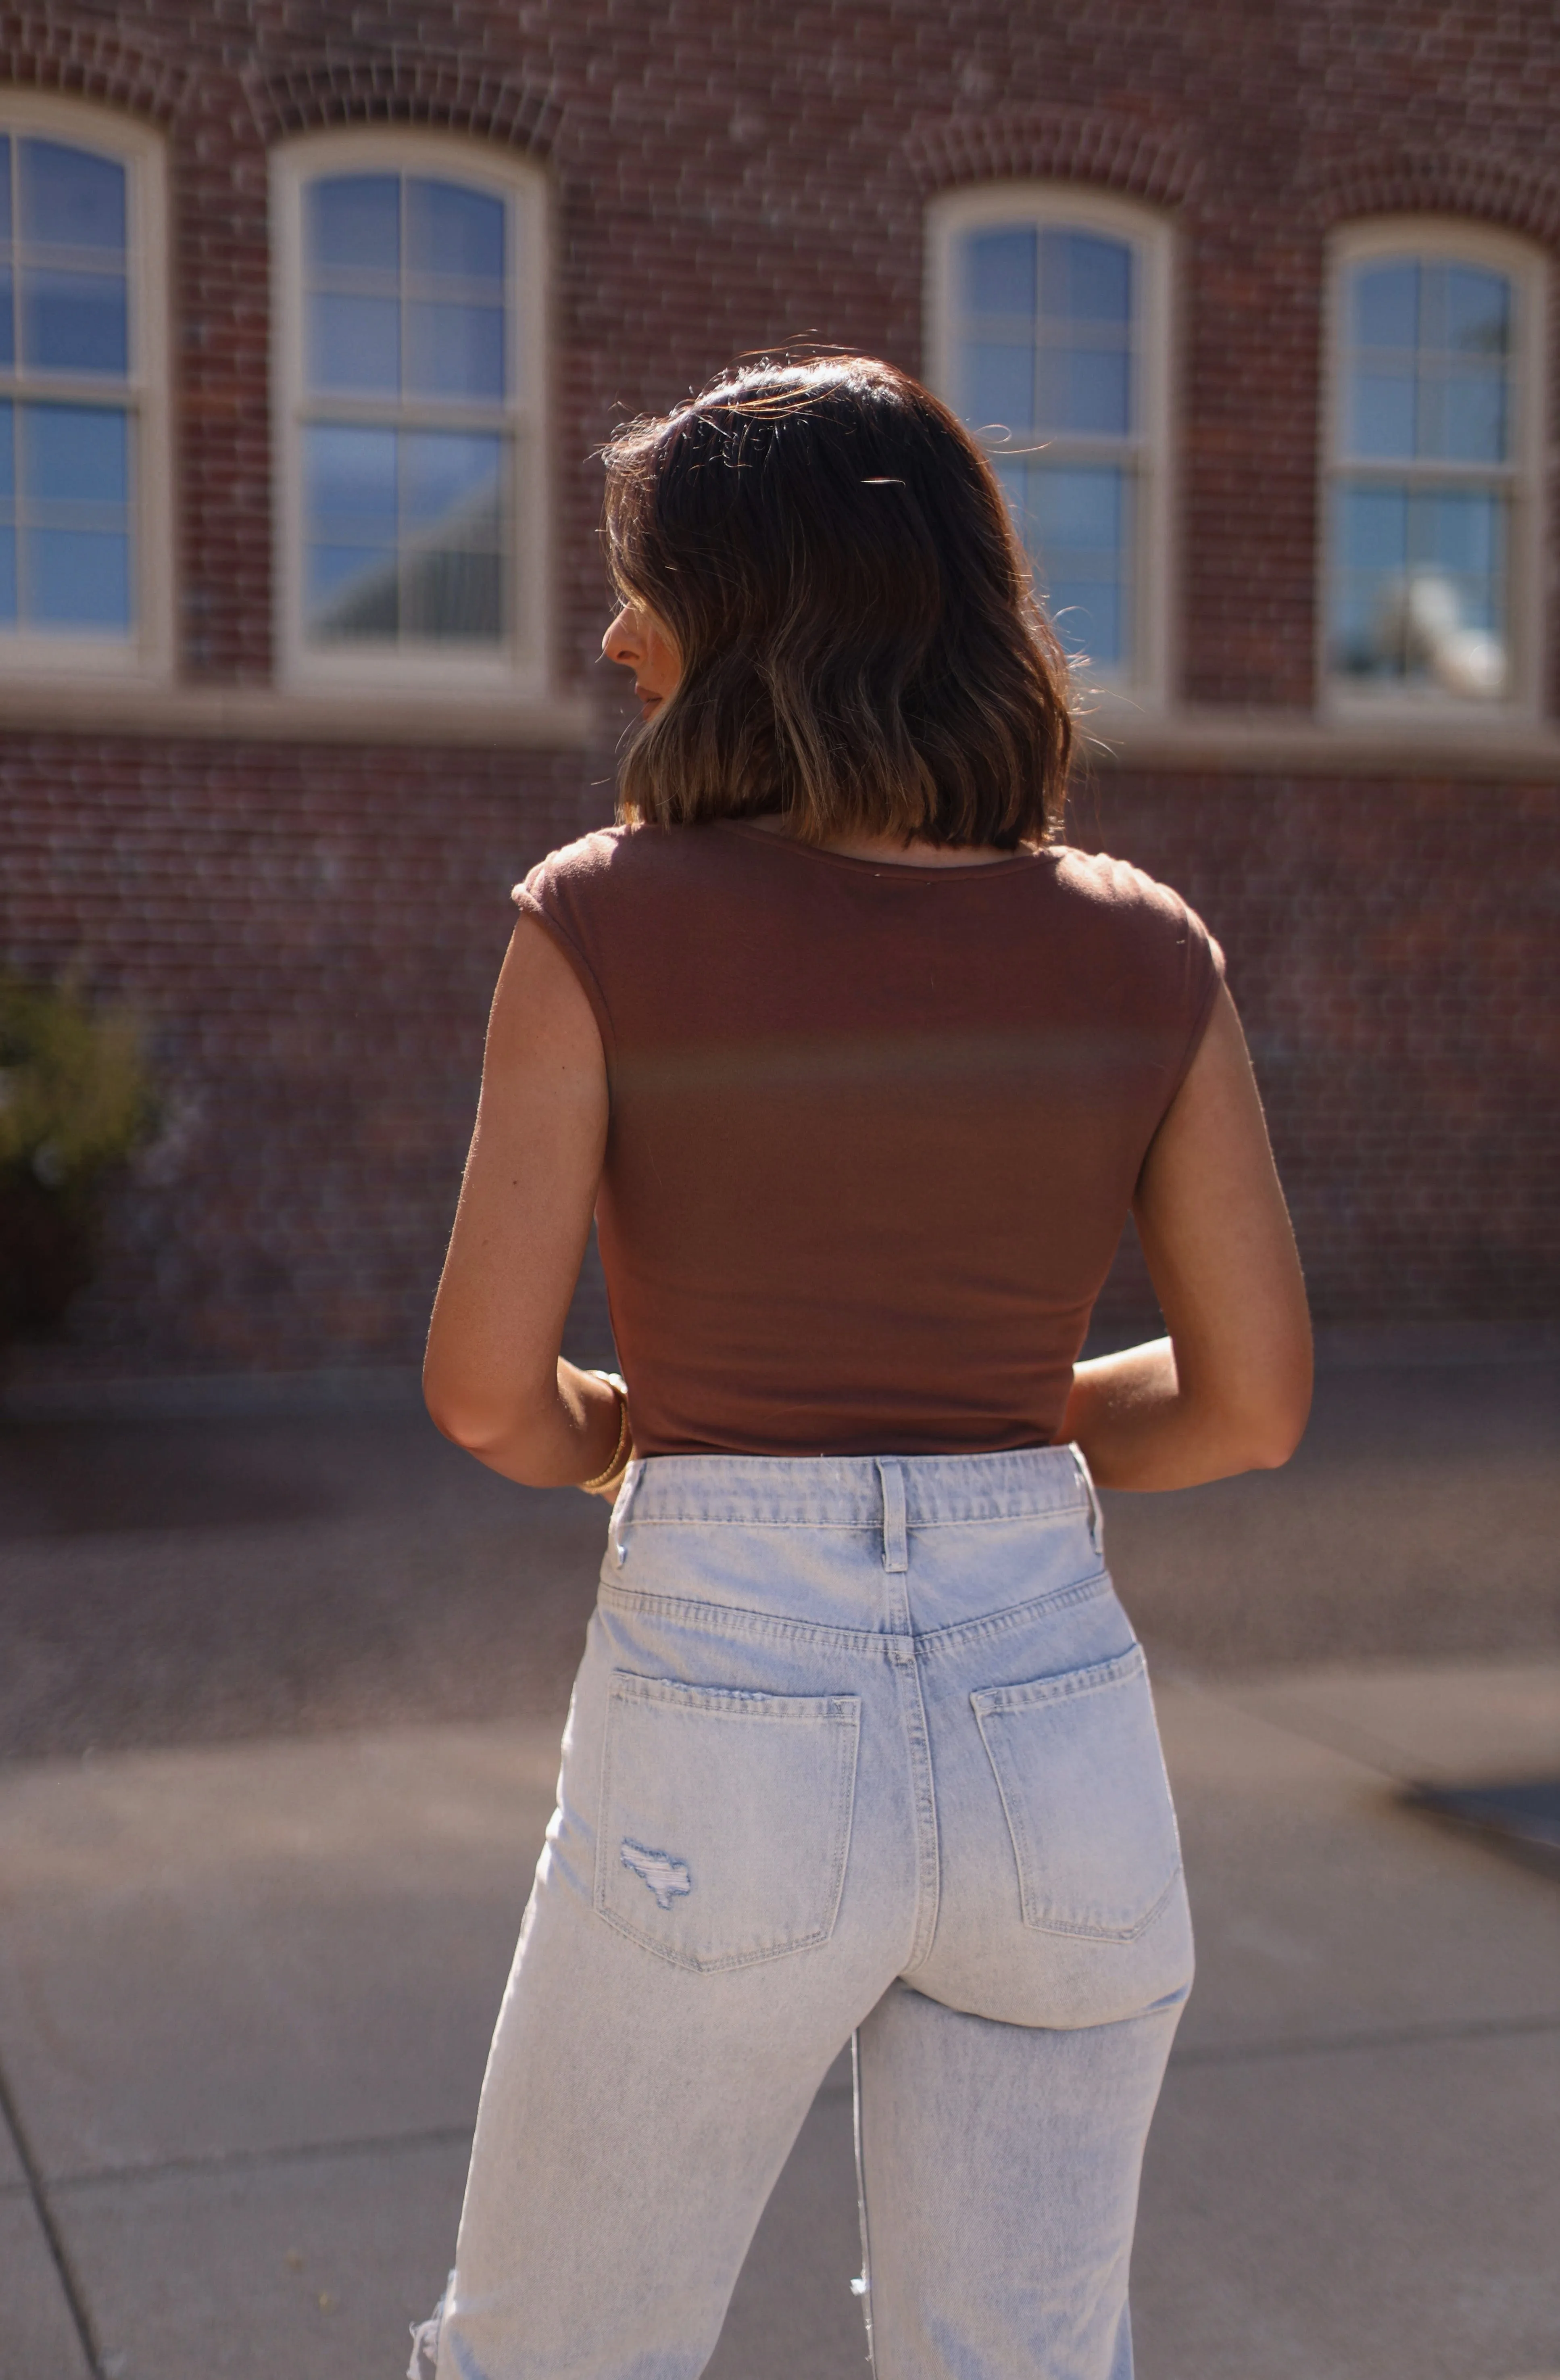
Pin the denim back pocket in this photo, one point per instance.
(725, 1818)
(1082, 1777)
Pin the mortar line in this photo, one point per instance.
(75, 2296)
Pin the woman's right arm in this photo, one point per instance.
(1230, 1389)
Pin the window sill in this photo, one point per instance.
(1302, 743)
(89, 707)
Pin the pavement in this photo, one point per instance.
(281, 1706)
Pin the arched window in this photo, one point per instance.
(1431, 532)
(84, 531)
(1049, 334)
(409, 318)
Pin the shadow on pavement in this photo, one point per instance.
(197, 1582)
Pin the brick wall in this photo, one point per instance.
(311, 936)
(1392, 951)
(311, 929)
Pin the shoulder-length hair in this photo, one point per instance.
(861, 648)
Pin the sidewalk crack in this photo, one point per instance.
(1238, 2053)
(37, 2189)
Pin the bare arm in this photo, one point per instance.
(492, 1374)
(1230, 1389)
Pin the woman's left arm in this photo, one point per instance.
(492, 1375)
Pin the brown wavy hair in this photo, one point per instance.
(861, 647)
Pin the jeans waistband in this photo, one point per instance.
(855, 1492)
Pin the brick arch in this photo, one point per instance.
(414, 88)
(1481, 187)
(76, 62)
(1113, 150)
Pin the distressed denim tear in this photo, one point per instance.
(668, 1878)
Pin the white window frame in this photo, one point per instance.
(519, 664)
(1525, 265)
(147, 653)
(1047, 206)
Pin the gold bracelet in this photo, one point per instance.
(622, 1451)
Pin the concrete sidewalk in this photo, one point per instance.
(246, 1993)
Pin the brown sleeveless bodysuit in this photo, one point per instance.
(874, 1129)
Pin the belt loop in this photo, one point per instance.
(626, 1494)
(1096, 1524)
(896, 1547)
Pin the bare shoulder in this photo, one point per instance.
(1117, 891)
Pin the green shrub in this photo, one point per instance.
(75, 1102)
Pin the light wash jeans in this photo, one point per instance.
(857, 1747)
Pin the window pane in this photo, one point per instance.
(353, 221)
(454, 232)
(76, 455)
(1080, 510)
(1384, 415)
(447, 477)
(1081, 516)
(454, 351)
(1458, 532)
(355, 344)
(1084, 278)
(78, 579)
(1427, 378)
(1086, 390)
(352, 593)
(402, 534)
(349, 482)
(1076, 524)
(74, 321)
(1477, 311)
(7, 277)
(1000, 273)
(1387, 306)
(70, 199)
(7, 518)
(1375, 529)
(1420, 594)
(454, 594)
(403, 525)
(74, 316)
(1473, 422)
(350, 571)
(999, 381)
(452, 582)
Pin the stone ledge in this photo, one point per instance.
(1297, 743)
(216, 1396)
(88, 706)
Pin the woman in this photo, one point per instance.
(860, 1070)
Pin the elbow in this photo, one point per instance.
(1271, 1449)
(454, 1420)
(508, 1433)
(467, 1423)
(1254, 1424)
(1271, 1436)
(1270, 1418)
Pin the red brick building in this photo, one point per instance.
(317, 315)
